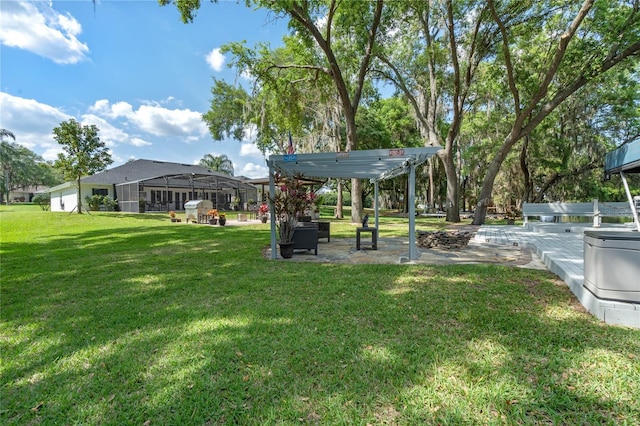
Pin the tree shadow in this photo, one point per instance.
(174, 324)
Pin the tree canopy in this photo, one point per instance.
(522, 96)
(22, 167)
(83, 153)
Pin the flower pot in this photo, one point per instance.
(263, 219)
(222, 221)
(213, 221)
(286, 250)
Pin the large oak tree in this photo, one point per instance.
(345, 33)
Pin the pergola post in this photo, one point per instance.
(375, 203)
(413, 251)
(272, 211)
(630, 198)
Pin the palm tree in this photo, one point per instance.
(6, 151)
(6, 133)
(217, 163)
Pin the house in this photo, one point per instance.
(24, 193)
(155, 186)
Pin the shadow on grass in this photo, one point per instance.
(189, 324)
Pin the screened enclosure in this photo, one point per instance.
(172, 192)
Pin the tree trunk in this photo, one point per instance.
(452, 208)
(79, 197)
(528, 184)
(490, 178)
(356, 201)
(356, 185)
(432, 193)
(7, 178)
(339, 203)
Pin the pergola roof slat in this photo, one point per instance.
(376, 164)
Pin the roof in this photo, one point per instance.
(624, 159)
(375, 164)
(161, 173)
(145, 169)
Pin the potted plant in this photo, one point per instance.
(172, 215)
(290, 201)
(222, 219)
(262, 212)
(211, 214)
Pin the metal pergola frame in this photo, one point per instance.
(625, 159)
(374, 164)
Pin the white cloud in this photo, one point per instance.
(34, 26)
(250, 150)
(30, 121)
(155, 119)
(108, 134)
(166, 122)
(249, 133)
(51, 154)
(119, 109)
(215, 59)
(246, 74)
(139, 142)
(120, 125)
(253, 171)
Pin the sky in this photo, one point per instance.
(132, 68)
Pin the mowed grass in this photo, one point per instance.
(129, 319)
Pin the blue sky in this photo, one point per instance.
(132, 68)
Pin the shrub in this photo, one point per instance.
(43, 200)
(96, 201)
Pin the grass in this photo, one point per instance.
(131, 319)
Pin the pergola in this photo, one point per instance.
(375, 165)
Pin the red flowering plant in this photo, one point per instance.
(290, 201)
(263, 209)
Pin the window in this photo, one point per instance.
(99, 191)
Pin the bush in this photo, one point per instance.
(109, 203)
(94, 202)
(101, 202)
(43, 200)
(331, 199)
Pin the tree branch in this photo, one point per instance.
(507, 57)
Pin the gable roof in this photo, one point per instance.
(145, 169)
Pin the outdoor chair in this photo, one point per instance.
(306, 237)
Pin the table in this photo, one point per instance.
(374, 237)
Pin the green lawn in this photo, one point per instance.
(131, 319)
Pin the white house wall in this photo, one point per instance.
(66, 200)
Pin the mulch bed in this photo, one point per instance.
(447, 240)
